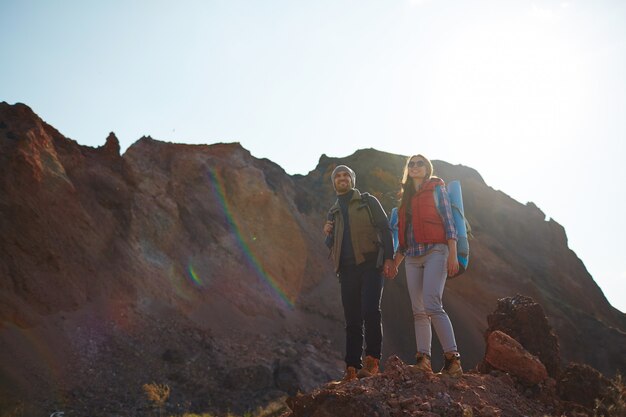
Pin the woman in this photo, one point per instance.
(427, 239)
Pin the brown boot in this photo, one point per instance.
(422, 363)
(350, 374)
(370, 367)
(452, 365)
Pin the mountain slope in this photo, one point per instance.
(204, 268)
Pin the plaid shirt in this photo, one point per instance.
(445, 211)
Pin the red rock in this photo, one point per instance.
(525, 321)
(506, 354)
(583, 385)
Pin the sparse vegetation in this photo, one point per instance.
(613, 404)
(157, 394)
(273, 409)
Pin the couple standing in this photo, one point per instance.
(360, 239)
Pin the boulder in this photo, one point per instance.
(506, 354)
(524, 320)
(581, 384)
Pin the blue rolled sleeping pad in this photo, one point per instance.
(393, 222)
(458, 213)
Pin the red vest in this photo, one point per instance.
(427, 223)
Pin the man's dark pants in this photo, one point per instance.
(361, 292)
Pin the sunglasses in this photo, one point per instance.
(417, 164)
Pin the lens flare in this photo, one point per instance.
(218, 189)
(194, 276)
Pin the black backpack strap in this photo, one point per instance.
(330, 216)
(366, 199)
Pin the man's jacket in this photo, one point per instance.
(369, 229)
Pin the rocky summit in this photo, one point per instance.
(203, 268)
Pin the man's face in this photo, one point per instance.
(343, 182)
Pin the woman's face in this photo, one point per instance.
(417, 168)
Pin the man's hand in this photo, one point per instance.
(389, 269)
(328, 227)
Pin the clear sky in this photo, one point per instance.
(532, 94)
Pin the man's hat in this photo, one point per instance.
(342, 168)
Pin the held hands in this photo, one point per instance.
(392, 265)
(397, 259)
(390, 270)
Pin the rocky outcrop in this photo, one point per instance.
(509, 382)
(506, 354)
(582, 385)
(524, 320)
(400, 391)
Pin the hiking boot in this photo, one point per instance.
(370, 368)
(350, 374)
(452, 365)
(422, 363)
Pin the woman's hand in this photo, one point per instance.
(453, 261)
(397, 259)
(453, 265)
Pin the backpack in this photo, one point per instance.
(463, 229)
(462, 226)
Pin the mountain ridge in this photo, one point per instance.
(201, 249)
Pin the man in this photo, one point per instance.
(359, 237)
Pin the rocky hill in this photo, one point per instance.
(203, 268)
